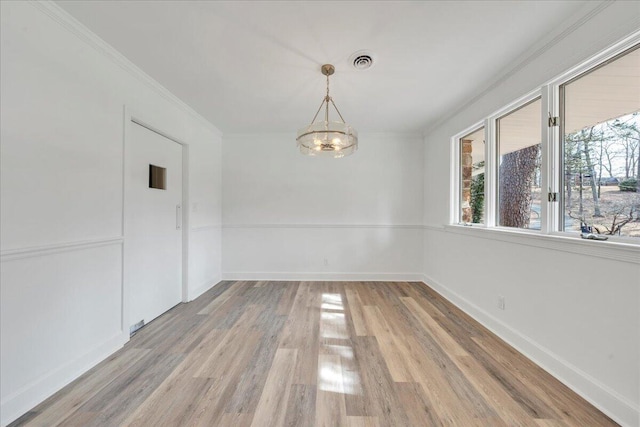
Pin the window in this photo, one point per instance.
(577, 172)
(157, 177)
(472, 177)
(519, 147)
(601, 152)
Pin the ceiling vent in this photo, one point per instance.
(362, 60)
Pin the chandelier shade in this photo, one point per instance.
(324, 137)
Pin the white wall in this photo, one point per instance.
(63, 93)
(573, 310)
(285, 213)
(61, 217)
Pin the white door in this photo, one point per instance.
(154, 222)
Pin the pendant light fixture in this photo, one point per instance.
(327, 138)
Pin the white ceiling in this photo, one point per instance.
(254, 66)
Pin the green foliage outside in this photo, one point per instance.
(630, 184)
(477, 198)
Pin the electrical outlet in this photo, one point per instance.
(501, 303)
(326, 262)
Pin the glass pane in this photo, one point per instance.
(472, 177)
(519, 139)
(157, 177)
(601, 149)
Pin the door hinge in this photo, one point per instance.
(553, 121)
(552, 197)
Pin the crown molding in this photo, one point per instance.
(75, 27)
(531, 54)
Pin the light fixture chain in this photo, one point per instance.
(327, 99)
(327, 85)
(318, 112)
(338, 111)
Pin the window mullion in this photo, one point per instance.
(491, 168)
(549, 159)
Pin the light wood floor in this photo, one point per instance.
(316, 354)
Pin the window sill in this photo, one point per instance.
(626, 252)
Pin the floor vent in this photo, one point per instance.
(134, 328)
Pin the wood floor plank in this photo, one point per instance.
(453, 398)
(550, 423)
(171, 404)
(287, 299)
(538, 385)
(232, 290)
(301, 408)
(357, 314)
(249, 386)
(330, 404)
(446, 341)
(509, 410)
(302, 332)
(83, 389)
(231, 343)
(307, 354)
(124, 394)
(382, 400)
(235, 420)
(353, 421)
(272, 407)
(392, 353)
(225, 376)
(534, 406)
(419, 409)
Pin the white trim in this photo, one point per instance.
(433, 227)
(385, 226)
(76, 28)
(601, 396)
(326, 277)
(30, 395)
(490, 173)
(206, 227)
(145, 124)
(515, 104)
(204, 287)
(43, 250)
(548, 210)
(455, 172)
(186, 220)
(492, 164)
(126, 167)
(624, 252)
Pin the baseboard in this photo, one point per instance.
(18, 403)
(204, 287)
(607, 400)
(324, 277)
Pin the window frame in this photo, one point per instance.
(522, 102)
(551, 169)
(456, 177)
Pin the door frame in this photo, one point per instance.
(130, 118)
